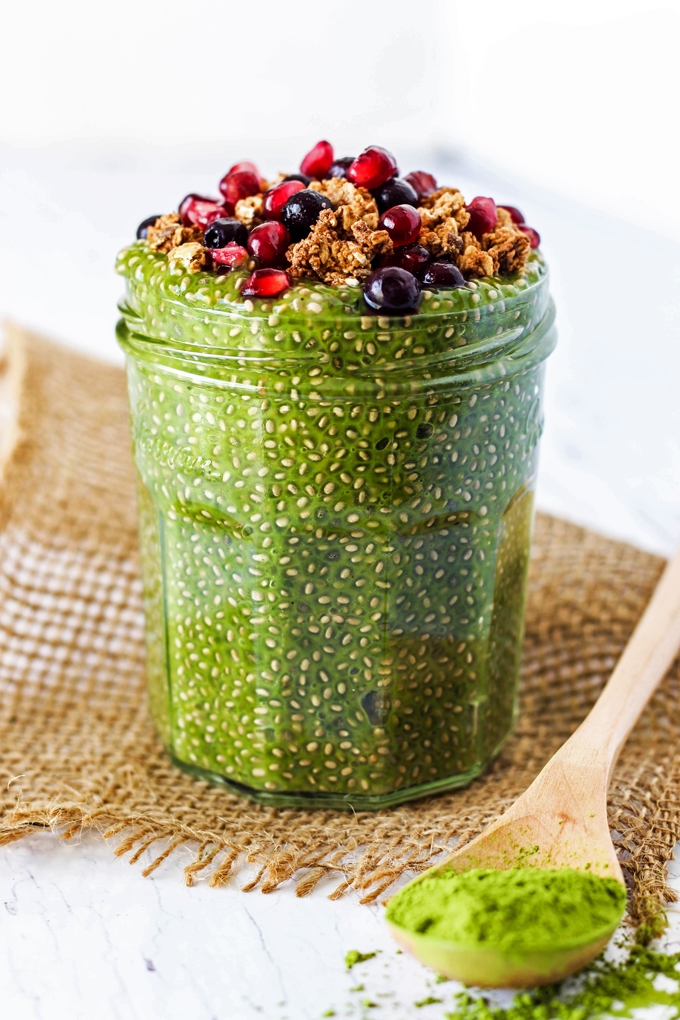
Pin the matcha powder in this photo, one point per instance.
(512, 910)
(609, 989)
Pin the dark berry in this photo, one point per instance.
(276, 198)
(424, 430)
(266, 283)
(245, 164)
(197, 211)
(414, 258)
(305, 178)
(318, 160)
(223, 231)
(301, 212)
(339, 167)
(240, 184)
(392, 290)
(482, 216)
(268, 243)
(394, 192)
(515, 214)
(232, 255)
(402, 223)
(372, 168)
(532, 234)
(443, 275)
(143, 227)
(422, 183)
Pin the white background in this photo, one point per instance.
(113, 112)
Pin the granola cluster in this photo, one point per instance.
(168, 233)
(444, 218)
(336, 255)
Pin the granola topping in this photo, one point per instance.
(249, 211)
(342, 245)
(168, 233)
(327, 256)
(193, 256)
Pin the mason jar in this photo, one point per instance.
(335, 517)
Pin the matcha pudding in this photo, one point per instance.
(335, 386)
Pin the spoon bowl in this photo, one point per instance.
(561, 820)
(492, 967)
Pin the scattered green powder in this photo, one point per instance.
(521, 908)
(429, 1001)
(354, 956)
(613, 989)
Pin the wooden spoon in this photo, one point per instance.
(561, 820)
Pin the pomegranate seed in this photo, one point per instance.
(318, 160)
(415, 259)
(266, 283)
(372, 168)
(422, 183)
(232, 255)
(482, 216)
(244, 165)
(197, 211)
(402, 223)
(276, 198)
(515, 214)
(269, 242)
(240, 184)
(532, 234)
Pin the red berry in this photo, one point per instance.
(240, 184)
(276, 198)
(232, 255)
(266, 283)
(402, 223)
(372, 168)
(532, 234)
(197, 211)
(415, 259)
(422, 183)
(269, 242)
(515, 214)
(482, 216)
(245, 164)
(318, 160)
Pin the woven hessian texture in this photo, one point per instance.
(77, 749)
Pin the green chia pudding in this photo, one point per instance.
(336, 465)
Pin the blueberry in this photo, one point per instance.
(339, 167)
(442, 275)
(394, 192)
(298, 177)
(301, 212)
(143, 227)
(222, 231)
(392, 290)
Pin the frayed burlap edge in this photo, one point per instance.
(78, 753)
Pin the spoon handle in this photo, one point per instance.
(643, 664)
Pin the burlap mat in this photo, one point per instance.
(77, 749)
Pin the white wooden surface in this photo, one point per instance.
(82, 934)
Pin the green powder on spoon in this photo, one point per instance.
(512, 911)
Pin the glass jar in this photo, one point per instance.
(335, 517)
